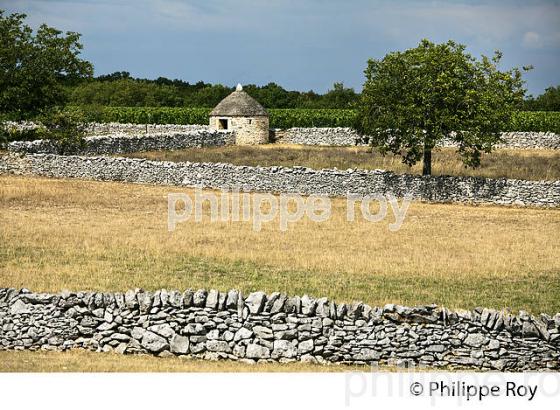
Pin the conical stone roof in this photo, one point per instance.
(239, 104)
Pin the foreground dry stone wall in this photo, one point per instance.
(306, 181)
(260, 327)
(127, 143)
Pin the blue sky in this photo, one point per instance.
(299, 44)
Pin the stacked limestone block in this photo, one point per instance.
(259, 327)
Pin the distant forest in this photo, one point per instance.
(120, 89)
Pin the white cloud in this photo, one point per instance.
(532, 40)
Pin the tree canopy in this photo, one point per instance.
(121, 89)
(413, 99)
(548, 101)
(34, 67)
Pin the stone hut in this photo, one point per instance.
(242, 114)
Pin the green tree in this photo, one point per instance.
(67, 128)
(415, 98)
(547, 101)
(209, 96)
(340, 97)
(34, 67)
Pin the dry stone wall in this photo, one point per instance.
(306, 181)
(522, 140)
(319, 136)
(127, 143)
(337, 136)
(260, 327)
(112, 128)
(349, 137)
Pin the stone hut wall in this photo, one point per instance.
(248, 130)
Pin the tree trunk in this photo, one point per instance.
(427, 163)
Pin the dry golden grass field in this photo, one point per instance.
(83, 235)
(85, 361)
(502, 163)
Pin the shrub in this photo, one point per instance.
(547, 121)
(66, 128)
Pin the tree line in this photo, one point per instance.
(547, 101)
(120, 89)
